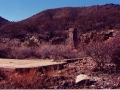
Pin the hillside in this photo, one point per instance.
(3, 21)
(47, 31)
(99, 17)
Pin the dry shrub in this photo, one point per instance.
(2, 75)
(99, 53)
(116, 52)
(57, 51)
(4, 51)
(26, 80)
(9, 50)
(44, 51)
(116, 56)
(32, 79)
(24, 52)
(104, 53)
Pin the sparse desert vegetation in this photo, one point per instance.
(91, 33)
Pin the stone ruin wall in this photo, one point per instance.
(73, 38)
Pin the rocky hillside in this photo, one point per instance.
(3, 21)
(52, 22)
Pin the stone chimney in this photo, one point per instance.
(73, 39)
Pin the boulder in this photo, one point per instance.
(85, 79)
(81, 77)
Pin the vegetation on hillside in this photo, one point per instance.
(3, 21)
(99, 17)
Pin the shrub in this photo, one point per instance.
(56, 51)
(10, 50)
(104, 53)
(32, 79)
(116, 52)
(3, 54)
(99, 52)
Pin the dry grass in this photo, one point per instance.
(26, 80)
(32, 79)
(10, 50)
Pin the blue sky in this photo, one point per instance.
(15, 10)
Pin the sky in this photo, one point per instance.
(16, 10)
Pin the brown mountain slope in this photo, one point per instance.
(85, 19)
(3, 21)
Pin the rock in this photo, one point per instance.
(81, 77)
(93, 87)
(85, 79)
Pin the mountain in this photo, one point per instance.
(97, 17)
(3, 21)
